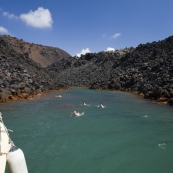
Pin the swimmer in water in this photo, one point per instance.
(101, 105)
(58, 96)
(84, 104)
(76, 113)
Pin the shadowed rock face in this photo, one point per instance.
(146, 69)
(20, 75)
(43, 55)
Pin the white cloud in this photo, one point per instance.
(41, 18)
(9, 15)
(83, 52)
(3, 30)
(109, 49)
(116, 35)
(103, 35)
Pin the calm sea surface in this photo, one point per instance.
(130, 135)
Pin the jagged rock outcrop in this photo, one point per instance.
(146, 69)
(89, 68)
(21, 77)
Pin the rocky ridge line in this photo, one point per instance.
(146, 70)
(21, 77)
(43, 55)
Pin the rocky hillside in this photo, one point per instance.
(44, 55)
(20, 76)
(146, 69)
(88, 69)
(28, 69)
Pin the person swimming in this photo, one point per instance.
(84, 104)
(101, 106)
(76, 113)
(58, 96)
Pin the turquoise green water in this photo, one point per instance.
(130, 135)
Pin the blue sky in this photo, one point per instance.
(79, 26)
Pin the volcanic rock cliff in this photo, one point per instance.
(43, 55)
(146, 70)
(27, 69)
(22, 72)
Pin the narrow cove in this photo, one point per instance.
(130, 134)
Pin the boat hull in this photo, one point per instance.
(16, 161)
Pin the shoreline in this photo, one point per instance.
(25, 96)
(160, 100)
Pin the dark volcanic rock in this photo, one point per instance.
(146, 69)
(20, 76)
(43, 55)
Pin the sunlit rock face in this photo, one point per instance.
(20, 75)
